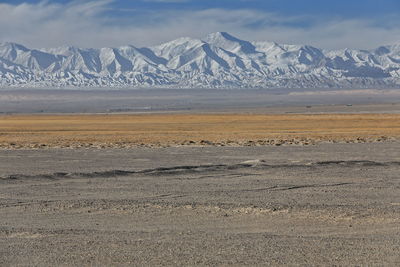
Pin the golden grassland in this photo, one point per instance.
(43, 131)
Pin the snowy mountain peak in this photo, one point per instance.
(62, 50)
(217, 36)
(230, 43)
(10, 50)
(217, 60)
(13, 45)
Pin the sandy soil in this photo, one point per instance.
(322, 205)
(155, 130)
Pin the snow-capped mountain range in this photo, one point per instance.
(219, 60)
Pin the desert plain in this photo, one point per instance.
(234, 188)
(159, 130)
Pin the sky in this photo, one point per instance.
(328, 24)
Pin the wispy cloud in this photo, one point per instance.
(91, 24)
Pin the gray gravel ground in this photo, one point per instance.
(329, 204)
(200, 100)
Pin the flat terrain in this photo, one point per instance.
(198, 100)
(181, 178)
(326, 204)
(132, 130)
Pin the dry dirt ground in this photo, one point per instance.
(322, 205)
(157, 130)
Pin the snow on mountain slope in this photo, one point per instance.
(218, 60)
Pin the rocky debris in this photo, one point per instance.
(230, 143)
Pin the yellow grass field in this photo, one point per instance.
(101, 131)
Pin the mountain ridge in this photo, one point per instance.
(218, 60)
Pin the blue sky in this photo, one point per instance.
(343, 8)
(326, 24)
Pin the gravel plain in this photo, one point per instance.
(321, 205)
